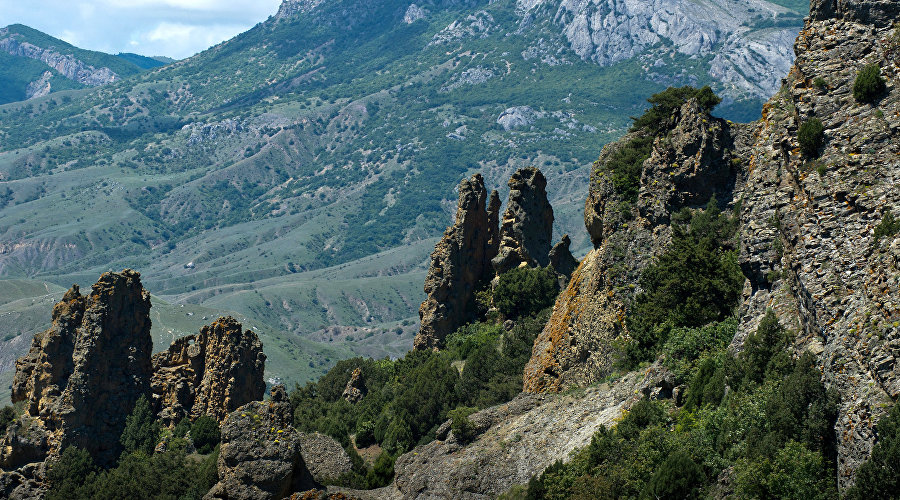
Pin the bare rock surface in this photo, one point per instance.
(517, 440)
(82, 377)
(260, 454)
(211, 373)
(356, 387)
(562, 261)
(460, 263)
(324, 456)
(527, 226)
(66, 65)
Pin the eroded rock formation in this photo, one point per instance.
(356, 387)
(211, 373)
(562, 261)
(82, 377)
(693, 162)
(460, 264)
(325, 457)
(260, 454)
(527, 226)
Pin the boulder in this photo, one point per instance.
(211, 373)
(324, 457)
(260, 455)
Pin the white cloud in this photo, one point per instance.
(174, 28)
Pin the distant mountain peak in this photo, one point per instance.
(290, 8)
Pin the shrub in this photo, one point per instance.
(524, 291)
(678, 477)
(69, 473)
(820, 83)
(869, 84)
(879, 477)
(764, 347)
(7, 416)
(463, 428)
(668, 101)
(794, 472)
(141, 431)
(888, 226)
(811, 136)
(205, 434)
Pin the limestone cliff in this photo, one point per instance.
(66, 65)
(82, 377)
(460, 264)
(211, 373)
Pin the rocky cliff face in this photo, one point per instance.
(211, 373)
(746, 60)
(82, 377)
(66, 65)
(260, 456)
(807, 240)
(460, 263)
(527, 225)
(689, 163)
(808, 223)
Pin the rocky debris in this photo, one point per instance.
(324, 457)
(477, 25)
(66, 65)
(39, 87)
(260, 454)
(356, 387)
(518, 117)
(562, 261)
(470, 76)
(211, 373)
(527, 225)
(82, 377)
(516, 440)
(414, 13)
(460, 264)
(22, 484)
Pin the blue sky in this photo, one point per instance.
(173, 28)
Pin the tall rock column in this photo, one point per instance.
(527, 223)
(82, 377)
(211, 373)
(459, 264)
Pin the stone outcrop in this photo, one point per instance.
(260, 454)
(517, 440)
(562, 261)
(324, 457)
(691, 162)
(527, 226)
(82, 377)
(460, 264)
(807, 240)
(356, 387)
(66, 65)
(211, 373)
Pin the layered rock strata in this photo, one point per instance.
(211, 373)
(527, 226)
(82, 377)
(460, 264)
(260, 455)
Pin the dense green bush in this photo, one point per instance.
(888, 227)
(141, 432)
(811, 136)
(677, 478)
(879, 477)
(695, 282)
(7, 416)
(625, 164)
(665, 103)
(205, 434)
(524, 291)
(869, 84)
(463, 428)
